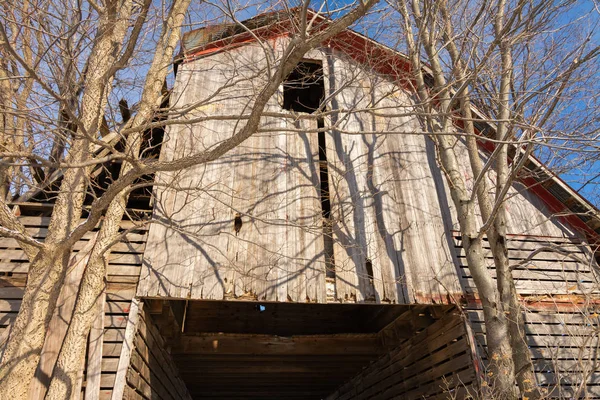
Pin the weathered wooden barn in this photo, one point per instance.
(321, 258)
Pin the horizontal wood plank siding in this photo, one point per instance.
(437, 362)
(122, 281)
(541, 266)
(564, 347)
(152, 373)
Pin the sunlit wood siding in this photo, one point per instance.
(392, 216)
(563, 341)
(123, 272)
(386, 198)
(271, 180)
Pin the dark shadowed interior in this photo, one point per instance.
(253, 350)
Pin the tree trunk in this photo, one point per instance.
(525, 374)
(501, 367)
(73, 350)
(72, 353)
(65, 229)
(21, 356)
(47, 271)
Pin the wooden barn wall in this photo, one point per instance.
(152, 374)
(271, 179)
(564, 347)
(390, 205)
(385, 195)
(558, 279)
(527, 214)
(437, 363)
(123, 274)
(541, 267)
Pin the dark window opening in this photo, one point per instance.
(325, 202)
(304, 88)
(152, 142)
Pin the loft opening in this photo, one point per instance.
(304, 88)
(304, 91)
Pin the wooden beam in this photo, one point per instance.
(407, 324)
(59, 323)
(94, 359)
(178, 310)
(130, 331)
(244, 344)
(478, 368)
(155, 306)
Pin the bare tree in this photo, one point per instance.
(496, 56)
(490, 64)
(58, 125)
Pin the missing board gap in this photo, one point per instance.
(369, 268)
(325, 202)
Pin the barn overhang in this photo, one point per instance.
(249, 350)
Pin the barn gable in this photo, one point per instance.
(351, 207)
(335, 236)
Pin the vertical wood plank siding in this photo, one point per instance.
(385, 206)
(390, 206)
(386, 202)
(271, 180)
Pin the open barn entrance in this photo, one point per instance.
(252, 350)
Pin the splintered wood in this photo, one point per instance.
(271, 181)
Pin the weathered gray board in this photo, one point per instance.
(564, 349)
(542, 267)
(271, 180)
(385, 200)
(150, 372)
(390, 205)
